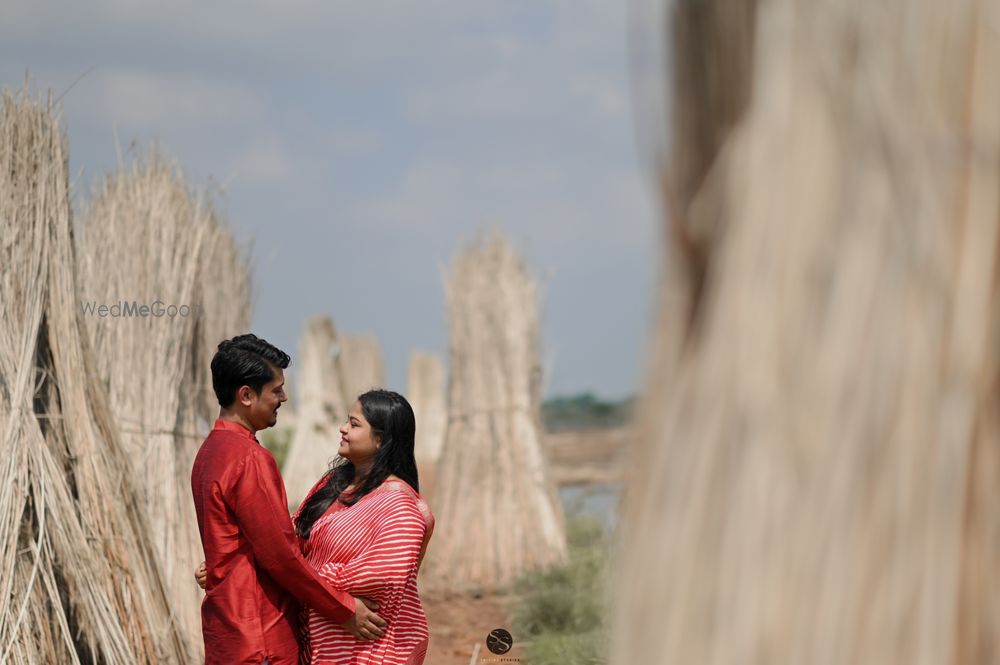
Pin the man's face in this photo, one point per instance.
(263, 407)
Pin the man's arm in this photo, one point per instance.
(256, 501)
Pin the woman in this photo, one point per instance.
(364, 527)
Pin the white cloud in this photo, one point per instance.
(384, 120)
(601, 95)
(346, 141)
(541, 204)
(265, 160)
(427, 197)
(156, 101)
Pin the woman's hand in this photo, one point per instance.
(201, 575)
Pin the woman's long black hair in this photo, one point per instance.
(391, 419)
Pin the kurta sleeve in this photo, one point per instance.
(383, 569)
(257, 500)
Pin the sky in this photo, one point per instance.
(359, 145)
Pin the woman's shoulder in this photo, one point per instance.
(397, 486)
(393, 482)
(402, 493)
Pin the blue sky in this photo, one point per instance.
(360, 144)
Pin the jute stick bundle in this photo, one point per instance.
(426, 394)
(223, 295)
(498, 512)
(142, 244)
(819, 476)
(362, 366)
(80, 579)
(322, 406)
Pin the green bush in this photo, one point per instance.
(563, 609)
(569, 649)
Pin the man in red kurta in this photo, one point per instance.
(256, 575)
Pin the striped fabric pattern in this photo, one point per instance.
(371, 549)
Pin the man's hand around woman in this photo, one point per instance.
(365, 624)
(200, 575)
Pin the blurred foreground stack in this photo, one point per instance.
(819, 479)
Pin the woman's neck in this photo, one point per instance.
(360, 475)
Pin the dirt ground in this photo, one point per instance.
(458, 623)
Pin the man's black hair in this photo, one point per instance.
(245, 360)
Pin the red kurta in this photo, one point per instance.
(255, 568)
(372, 549)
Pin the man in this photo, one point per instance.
(255, 572)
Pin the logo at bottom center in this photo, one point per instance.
(499, 641)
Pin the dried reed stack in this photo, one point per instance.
(143, 241)
(426, 394)
(322, 407)
(498, 512)
(820, 473)
(362, 367)
(80, 581)
(223, 295)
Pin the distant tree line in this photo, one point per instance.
(585, 411)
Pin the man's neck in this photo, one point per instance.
(234, 417)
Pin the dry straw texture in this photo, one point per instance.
(362, 365)
(426, 394)
(818, 479)
(145, 241)
(79, 578)
(223, 292)
(497, 508)
(322, 406)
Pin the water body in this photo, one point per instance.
(599, 501)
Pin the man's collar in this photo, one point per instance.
(230, 426)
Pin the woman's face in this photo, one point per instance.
(357, 441)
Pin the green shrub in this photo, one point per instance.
(569, 649)
(563, 608)
(277, 440)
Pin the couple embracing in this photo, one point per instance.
(336, 584)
